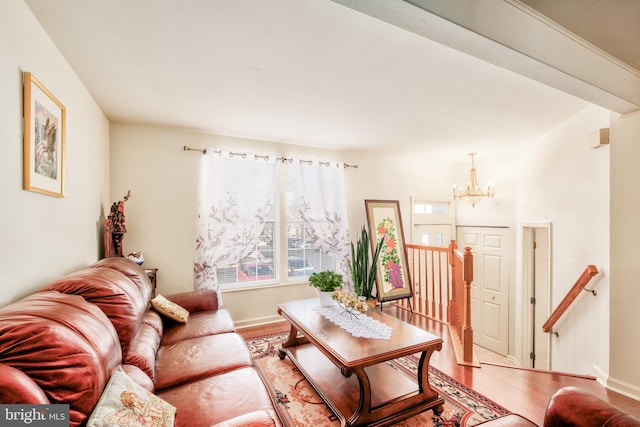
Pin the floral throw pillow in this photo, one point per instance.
(125, 403)
(170, 309)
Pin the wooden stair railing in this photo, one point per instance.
(442, 279)
(430, 273)
(573, 293)
(460, 305)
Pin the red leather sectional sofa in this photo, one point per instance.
(62, 343)
(572, 407)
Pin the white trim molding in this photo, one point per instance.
(513, 36)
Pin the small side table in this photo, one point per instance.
(152, 273)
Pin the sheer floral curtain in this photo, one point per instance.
(319, 199)
(235, 199)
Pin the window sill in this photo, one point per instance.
(264, 285)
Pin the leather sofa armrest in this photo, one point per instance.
(194, 301)
(575, 407)
(252, 419)
(18, 387)
(511, 420)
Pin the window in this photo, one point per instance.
(239, 239)
(432, 222)
(427, 208)
(303, 256)
(236, 221)
(317, 230)
(260, 265)
(433, 239)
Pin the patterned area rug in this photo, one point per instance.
(463, 407)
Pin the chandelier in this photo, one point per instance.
(473, 192)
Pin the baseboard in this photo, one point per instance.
(601, 376)
(624, 388)
(515, 361)
(621, 387)
(259, 321)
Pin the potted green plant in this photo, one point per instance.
(362, 267)
(325, 283)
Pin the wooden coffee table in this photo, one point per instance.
(377, 395)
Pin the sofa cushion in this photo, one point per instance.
(170, 309)
(133, 271)
(67, 346)
(143, 348)
(125, 403)
(116, 295)
(139, 376)
(153, 319)
(201, 323)
(18, 387)
(196, 358)
(219, 398)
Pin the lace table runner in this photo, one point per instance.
(360, 326)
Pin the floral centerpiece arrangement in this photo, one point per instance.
(350, 302)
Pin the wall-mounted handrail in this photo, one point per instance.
(573, 293)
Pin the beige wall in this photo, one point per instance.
(625, 257)
(564, 182)
(42, 236)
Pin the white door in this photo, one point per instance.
(431, 222)
(536, 268)
(490, 287)
(431, 235)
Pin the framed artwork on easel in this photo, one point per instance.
(392, 273)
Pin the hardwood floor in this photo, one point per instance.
(522, 391)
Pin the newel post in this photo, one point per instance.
(467, 331)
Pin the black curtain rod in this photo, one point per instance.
(266, 158)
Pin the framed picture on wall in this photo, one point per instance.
(44, 139)
(392, 274)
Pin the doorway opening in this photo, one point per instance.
(432, 222)
(490, 286)
(536, 282)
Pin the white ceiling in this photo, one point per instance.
(308, 72)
